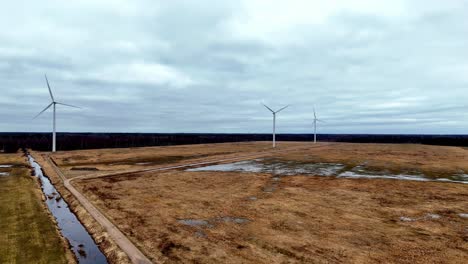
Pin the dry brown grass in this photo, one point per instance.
(305, 219)
(116, 160)
(431, 160)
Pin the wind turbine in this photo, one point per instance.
(315, 126)
(274, 121)
(54, 104)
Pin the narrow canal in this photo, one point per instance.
(83, 246)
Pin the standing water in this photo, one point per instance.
(83, 246)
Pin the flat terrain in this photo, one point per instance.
(27, 232)
(96, 162)
(269, 216)
(432, 161)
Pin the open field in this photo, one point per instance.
(432, 161)
(27, 232)
(95, 162)
(266, 215)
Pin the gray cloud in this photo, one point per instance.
(205, 66)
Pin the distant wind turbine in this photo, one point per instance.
(53, 103)
(315, 125)
(274, 121)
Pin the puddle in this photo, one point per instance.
(278, 168)
(144, 163)
(4, 174)
(83, 246)
(460, 177)
(382, 175)
(253, 198)
(242, 166)
(195, 222)
(352, 174)
(237, 220)
(285, 168)
(211, 222)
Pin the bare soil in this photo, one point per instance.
(180, 216)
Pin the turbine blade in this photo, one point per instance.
(282, 109)
(320, 120)
(268, 108)
(47, 107)
(315, 115)
(50, 91)
(68, 105)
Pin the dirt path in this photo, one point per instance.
(135, 255)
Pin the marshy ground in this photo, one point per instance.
(285, 211)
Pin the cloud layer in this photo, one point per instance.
(205, 66)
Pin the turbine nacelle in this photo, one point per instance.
(277, 111)
(274, 121)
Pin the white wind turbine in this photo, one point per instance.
(274, 121)
(315, 126)
(53, 103)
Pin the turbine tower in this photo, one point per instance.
(315, 126)
(274, 121)
(53, 104)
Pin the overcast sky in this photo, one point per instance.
(368, 66)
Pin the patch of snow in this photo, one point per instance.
(406, 219)
(463, 215)
(5, 166)
(4, 174)
(433, 216)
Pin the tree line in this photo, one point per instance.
(11, 142)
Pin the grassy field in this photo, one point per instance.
(27, 232)
(265, 217)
